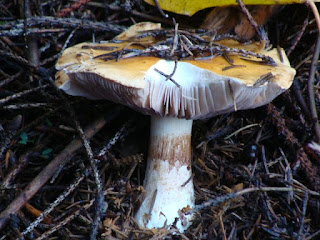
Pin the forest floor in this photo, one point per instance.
(256, 172)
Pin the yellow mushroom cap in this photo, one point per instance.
(206, 87)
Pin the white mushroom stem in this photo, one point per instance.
(168, 182)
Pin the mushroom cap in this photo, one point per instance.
(207, 88)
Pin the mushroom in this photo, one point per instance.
(174, 93)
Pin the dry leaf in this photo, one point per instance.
(187, 7)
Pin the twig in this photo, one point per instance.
(315, 11)
(312, 103)
(5, 43)
(64, 222)
(20, 60)
(54, 204)
(10, 79)
(48, 172)
(313, 235)
(31, 49)
(166, 45)
(302, 157)
(100, 204)
(313, 69)
(253, 23)
(20, 94)
(264, 79)
(308, 167)
(160, 10)
(23, 160)
(300, 99)
(264, 160)
(240, 130)
(215, 135)
(175, 38)
(26, 105)
(298, 37)
(153, 18)
(120, 134)
(169, 77)
(16, 28)
(222, 227)
(65, 45)
(257, 222)
(281, 125)
(304, 210)
(220, 199)
(7, 136)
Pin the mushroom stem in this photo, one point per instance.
(168, 182)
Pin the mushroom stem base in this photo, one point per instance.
(168, 183)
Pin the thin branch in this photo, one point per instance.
(48, 172)
(312, 102)
(64, 222)
(160, 10)
(20, 94)
(26, 105)
(100, 204)
(259, 30)
(313, 69)
(31, 47)
(220, 199)
(10, 79)
(315, 11)
(16, 28)
(298, 37)
(304, 210)
(118, 136)
(300, 99)
(313, 235)
(54, 204)
(169, 77)
(23, 161)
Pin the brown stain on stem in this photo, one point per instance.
(176, 150)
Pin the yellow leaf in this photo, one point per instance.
(190, 7)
